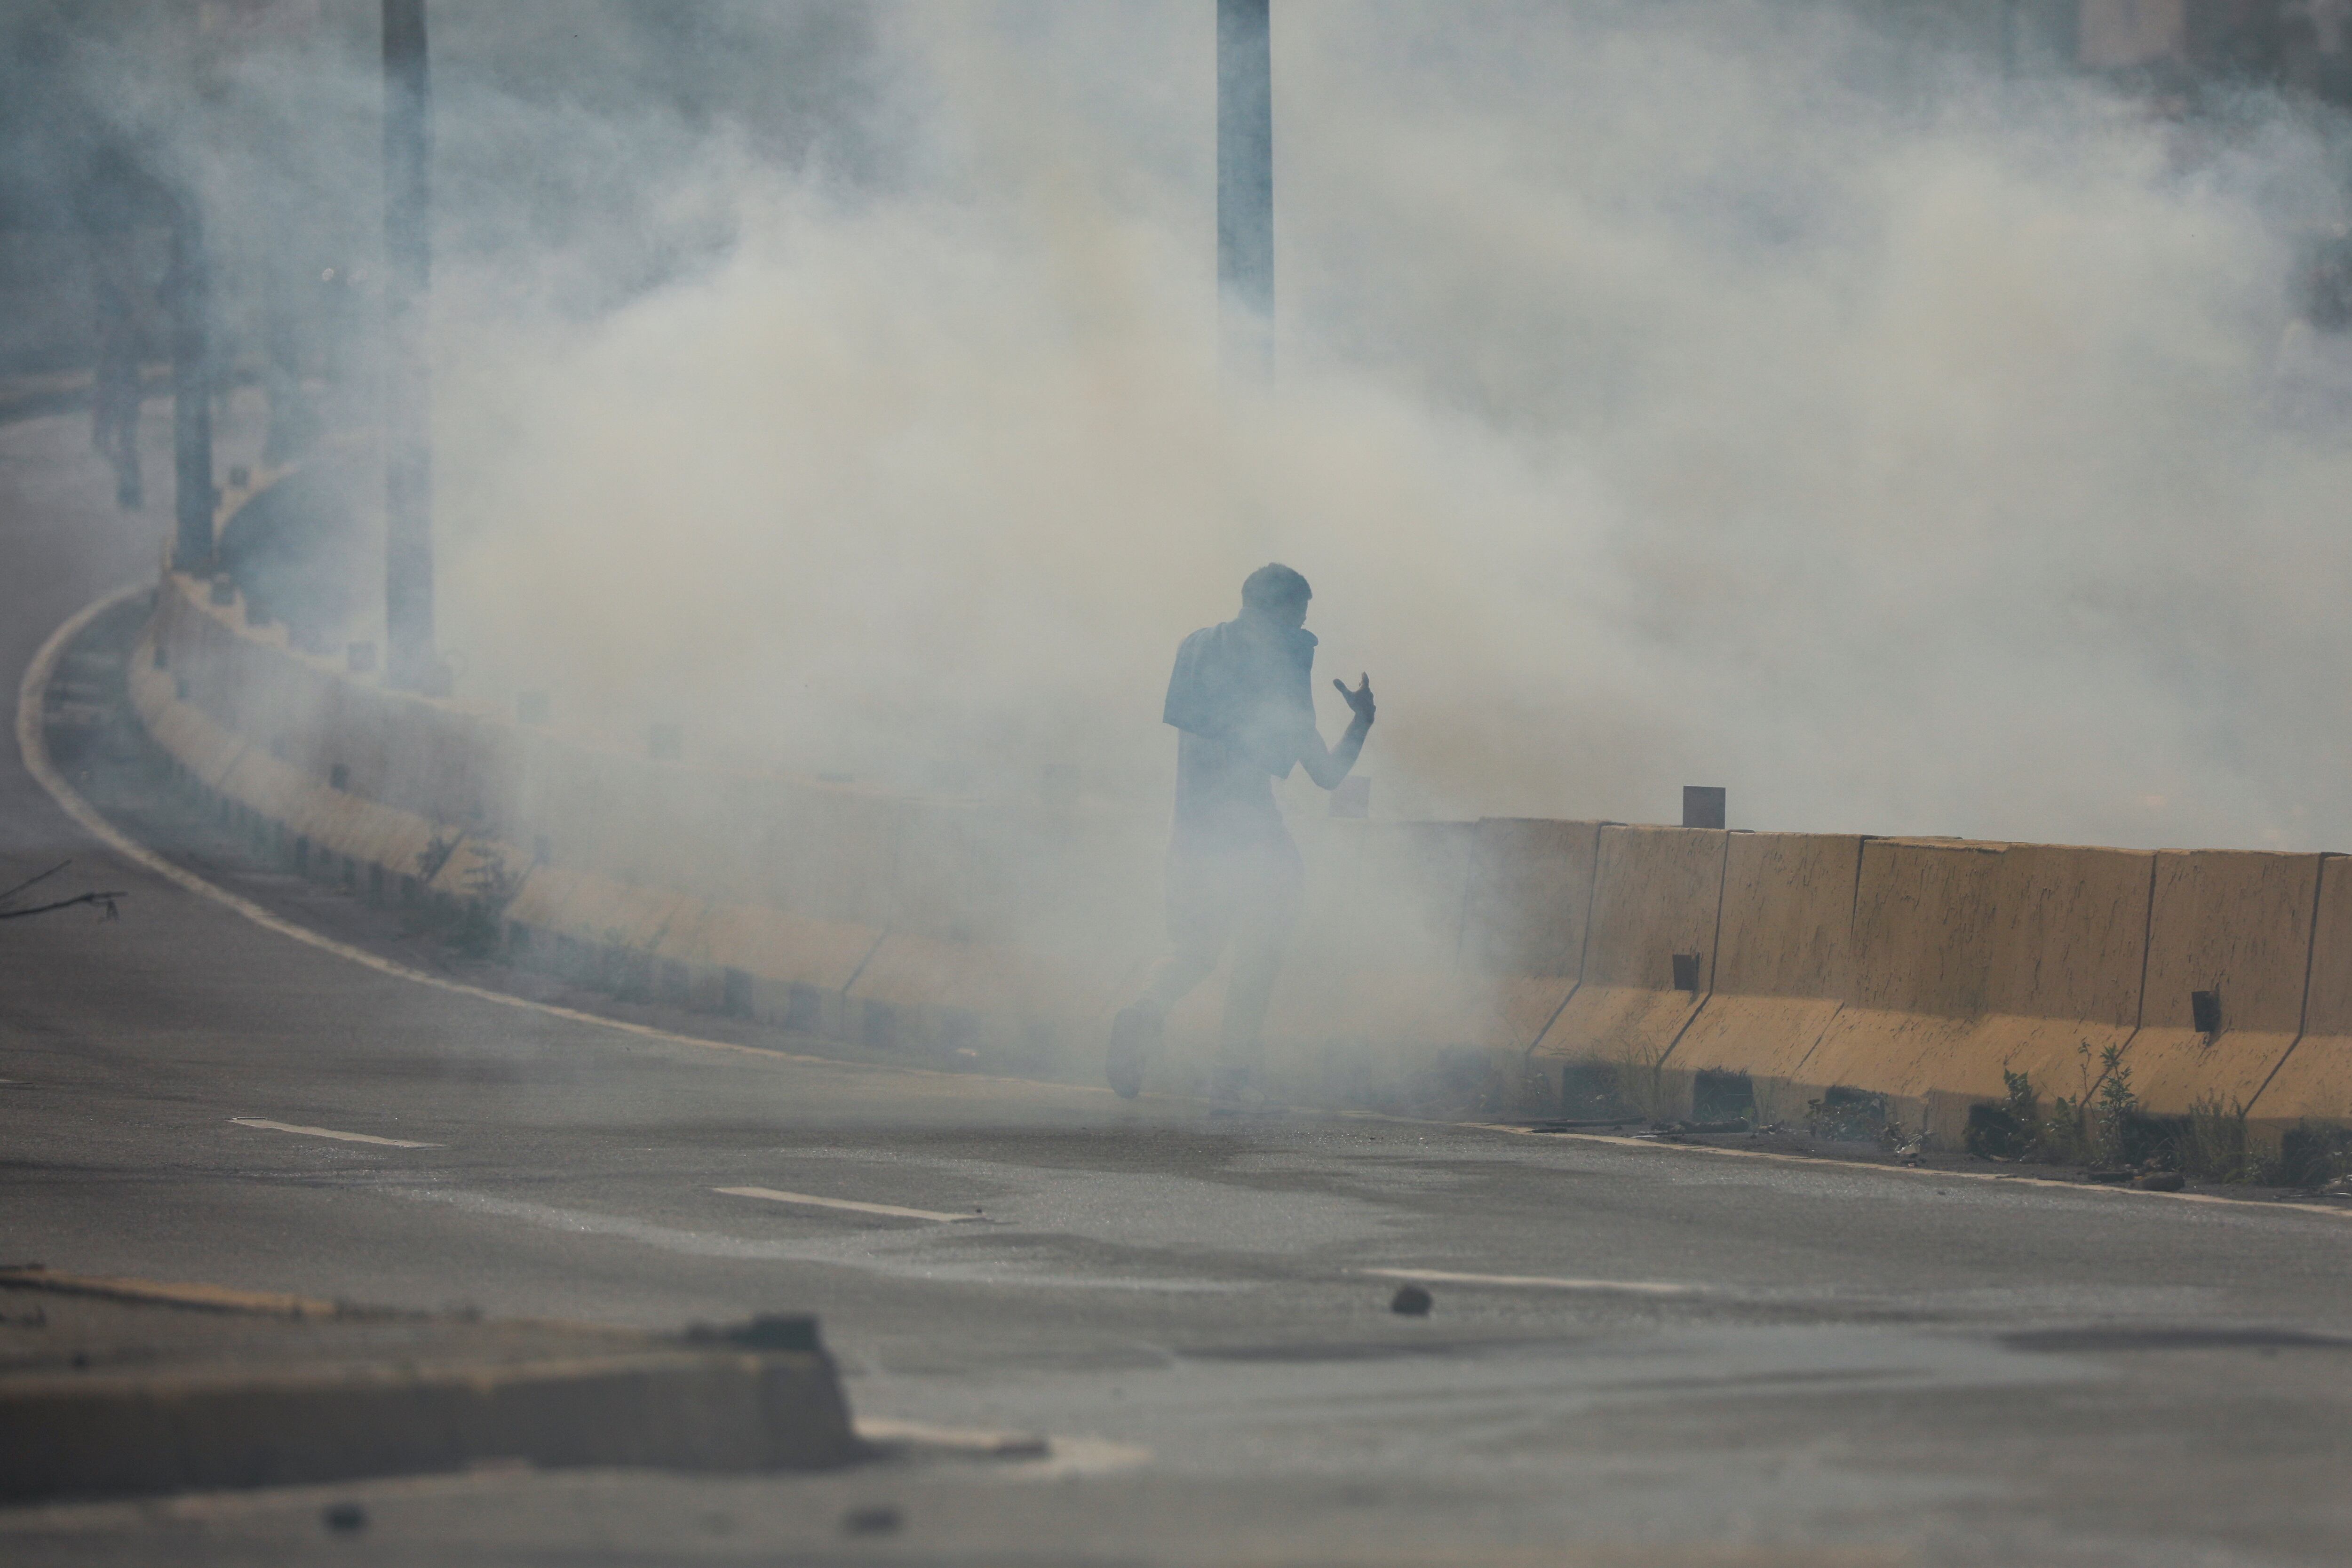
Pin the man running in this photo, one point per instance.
(1242, 702)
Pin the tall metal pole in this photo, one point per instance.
(190, 299)
(408, 385)
(1245, 184)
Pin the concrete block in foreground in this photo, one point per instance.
(181, 1401)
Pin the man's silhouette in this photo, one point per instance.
(1242, 702)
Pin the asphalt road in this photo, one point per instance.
(1637, 1354)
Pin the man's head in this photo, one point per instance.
(1277, 593)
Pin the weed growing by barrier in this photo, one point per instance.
(2214, 1144)
(2102, 1124)
(2108, 1126)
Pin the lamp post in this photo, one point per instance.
(408, 385)
(188, 295)
(1245, 184)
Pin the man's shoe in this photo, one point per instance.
(1134, 1036)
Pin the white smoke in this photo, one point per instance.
(1715, 394)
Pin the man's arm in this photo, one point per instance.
(1328, 767)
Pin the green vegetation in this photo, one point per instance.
(2214, 1145)
(1641, 1085)
(2104, 1125)
(2101, 1124)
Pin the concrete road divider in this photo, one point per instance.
(781, 968)
(1786, 965)
(2314, 1083)
(1679, 971)
(1657, 895)
(1529, 900)
(196, 741)
(219, 760)
(1973, 960)
(1524, 924)
(2069, 947)
(581, 924)
(1923, 917)
(2228, 960)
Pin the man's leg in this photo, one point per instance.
(1200, 907)
(1268, 911)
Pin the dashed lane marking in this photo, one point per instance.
(1537, 1282)
(331, 1132)
(772, 1195)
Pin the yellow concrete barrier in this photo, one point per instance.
(2069, 947)
(1784, 968)
(2315, 1081)
(1657, 894)
(1524, 922)
(199, 743)
(787, 968)
(596, 911)
(2237, 926)
(1973, 960)
(1514, 952)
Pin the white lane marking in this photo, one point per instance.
(1537, 1282)
(331, 1132)
(986, 1441)
(893, 1210)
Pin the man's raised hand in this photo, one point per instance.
(1360, 698)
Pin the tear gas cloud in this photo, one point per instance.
(1668, 394)
(1716, 394)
